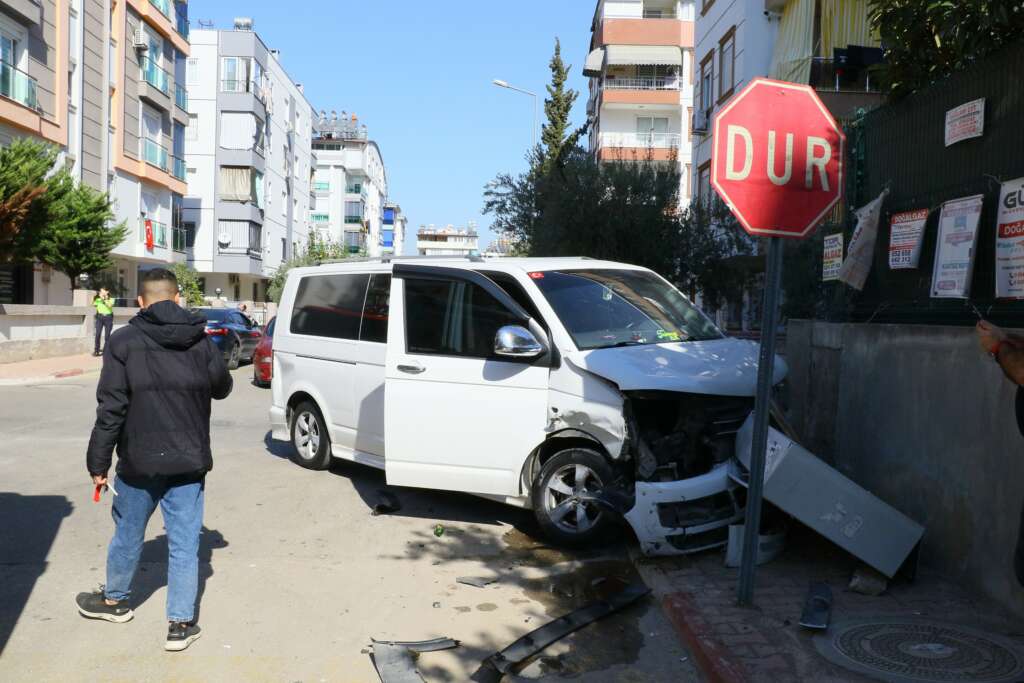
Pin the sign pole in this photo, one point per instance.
(762, 405)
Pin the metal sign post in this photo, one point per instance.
(762, 409)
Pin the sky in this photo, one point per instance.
(418, 74)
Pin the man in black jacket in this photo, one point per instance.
(159, 374)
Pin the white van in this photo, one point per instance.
(570, 386)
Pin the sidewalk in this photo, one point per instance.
(766, 642)
(47, 369)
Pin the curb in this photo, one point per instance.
(60, 374)
(696, 633)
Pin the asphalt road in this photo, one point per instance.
(296, 573)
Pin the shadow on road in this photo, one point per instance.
(152, 573)
(28, 528)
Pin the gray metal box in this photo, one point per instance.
(803, 486)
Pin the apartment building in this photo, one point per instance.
(825, 43)
(641, 66)
(350, 185)
(248, 160)
(392, 234)
(447, 241)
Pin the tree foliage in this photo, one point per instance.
(188, 283)
(24, 204)
(557, 107)
(317, 249)
(927, 40)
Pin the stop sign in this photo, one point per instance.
(777, 160)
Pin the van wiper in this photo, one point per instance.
(630, 342)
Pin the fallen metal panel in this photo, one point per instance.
(395, 660)
(803, 486)
(421, 645)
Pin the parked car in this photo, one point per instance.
(262, 357)
(565, 385)
(234, 333)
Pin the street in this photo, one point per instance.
(296, 573)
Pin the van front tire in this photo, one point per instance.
(564, 479)
(310, 440)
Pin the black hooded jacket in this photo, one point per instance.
(159, 374)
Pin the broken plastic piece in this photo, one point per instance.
(817, 606)
(770, 545)
(439, 530)
(387, 503)
(477, 581)
(501, 663)
(395, 661)
(431, 645)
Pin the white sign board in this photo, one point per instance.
(1010, 241)
(965, 122)
(954, 249)
(833, 257)
(906, 231)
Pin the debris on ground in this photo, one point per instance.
(395, 660)
(770, 544)
(508, 660)
(439, 530)
(475, 581)
(387, 502)
(817, 607)
(867, 581)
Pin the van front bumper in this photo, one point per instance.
(279, 424)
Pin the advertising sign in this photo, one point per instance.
(833, 259)
(965, 122)
(955, 247)
(906, 231)
(1010, 241)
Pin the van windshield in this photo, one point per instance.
(606, 308)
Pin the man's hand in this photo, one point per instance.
(99, 479)
(989, 335)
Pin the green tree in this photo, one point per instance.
(927, 40)
(24, 199)
(79, 236)
(558, 104)
(317, 250)
(188, 283)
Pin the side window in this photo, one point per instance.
(235, 318)
(452, 318)
(270, 328)
(375, 310)
(329, 306)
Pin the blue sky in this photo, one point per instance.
(418, 74)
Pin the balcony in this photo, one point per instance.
(178, 169)
(17, 85)
(844, 90)
(155, 76)
(353, 220)
(159, 232)
(163, 5)
(356, 188)
(181, 19)
(638, 146)
(321, 188)
(180, 97)
(178, 238)
(154, 153)
(355, 242)
(319, 218)
(243, 86)
(672, 83)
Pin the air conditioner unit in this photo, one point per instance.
(140, 41)
(701, 119)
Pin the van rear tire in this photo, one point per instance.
(561, 516)
(311, 443)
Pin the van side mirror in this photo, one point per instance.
(515, 341)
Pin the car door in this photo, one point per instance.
(248, 334)
(458, 417)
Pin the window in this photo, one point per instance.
(190, 233)
(704, 184)
(727, 65)
(652, 130)
(234, 74)
(353, 212)
(453, 318)
(237, 184)
(330, 306)
(192, 131)
(707, 82)
(255, 292)
(192, 71)
(375, 310)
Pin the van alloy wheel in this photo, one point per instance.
(310, 438)
(307, 435)
(565, 498)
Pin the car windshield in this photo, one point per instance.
(606, 308)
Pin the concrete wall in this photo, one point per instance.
(921, 417)
(31, 332)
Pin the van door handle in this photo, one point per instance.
(412, 368)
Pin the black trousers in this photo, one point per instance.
(103, 322)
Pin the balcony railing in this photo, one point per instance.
(181, 21)
(321, 188)
(159, 232)
(17, 85)
(355, 242)
(357, 188)
(241, 86)
(154, 153)
(642, 83)
(178, 169)
(354, 220)
(647, 14)
(828, 76)
(652, 140)
(319, 218)
(154, 75)
(163, 5)
(178, 239)
(180, 97)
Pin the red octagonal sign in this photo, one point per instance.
(777, 160)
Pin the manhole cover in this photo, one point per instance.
(904, 650)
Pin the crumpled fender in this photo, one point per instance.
(579, 400)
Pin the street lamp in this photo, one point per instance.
(504, 84)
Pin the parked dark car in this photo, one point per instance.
(234, 333)
(263, 357)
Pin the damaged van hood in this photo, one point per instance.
(723, 367)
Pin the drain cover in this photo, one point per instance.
(905, 650)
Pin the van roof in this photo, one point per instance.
(504, 264)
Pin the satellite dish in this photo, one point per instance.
(224, 239)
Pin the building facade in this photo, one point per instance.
(350, 186)
(248, 160)
(447, 241)
(392, 235)
(641, 66)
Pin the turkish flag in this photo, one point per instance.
(149, 234)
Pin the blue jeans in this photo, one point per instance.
(181, 504)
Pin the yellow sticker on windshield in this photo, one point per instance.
(665, 335)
